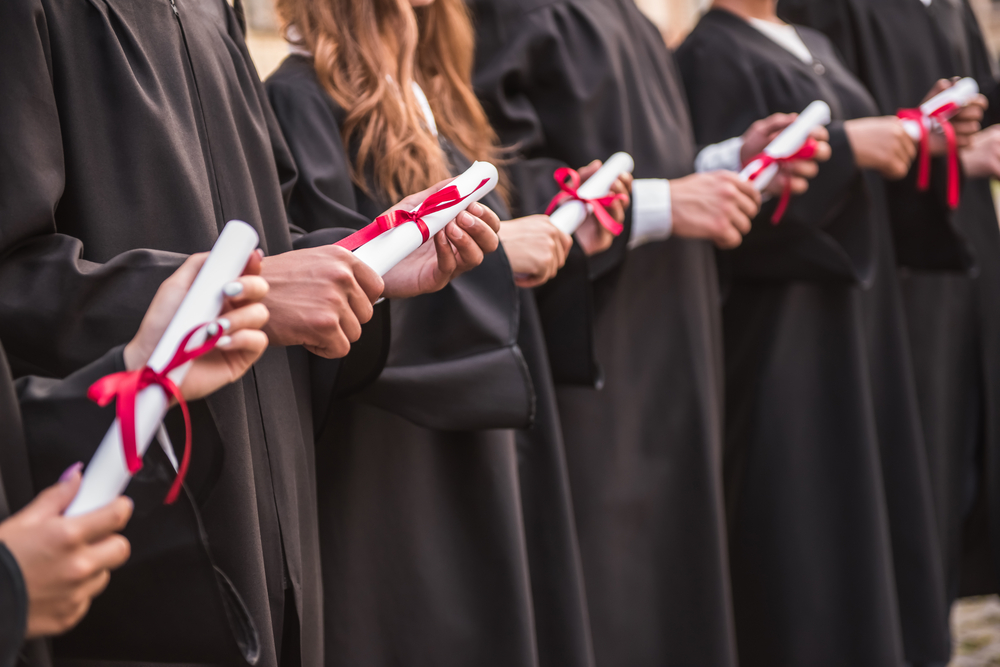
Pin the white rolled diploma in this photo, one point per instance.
(571, 214)
(389, 249)
(107, 474)
(963, 92)
(791, 139)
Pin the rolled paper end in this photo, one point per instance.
(959, 95)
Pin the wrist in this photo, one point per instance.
(133, 357)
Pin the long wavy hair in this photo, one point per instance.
(366, 54)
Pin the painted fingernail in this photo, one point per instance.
(70, 471)
(225, 341)
(232, 289)
(224, 323)
(212, 329)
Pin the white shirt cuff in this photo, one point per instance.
(725, 155)
(652, 216)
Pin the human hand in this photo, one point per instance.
(535, 248)
(796, 173)
(65, 561)
(966, 122)
(715, 205)
(237, 350)
(881, 143)
(591, 235)
(459, 247)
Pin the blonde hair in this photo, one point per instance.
(366, 54)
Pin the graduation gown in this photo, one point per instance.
(428, 452)
(564, 83)
(899, 49)
(39, 415)
(130, 133)
(827, 485)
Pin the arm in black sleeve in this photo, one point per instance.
(58, 312)
(13, 608)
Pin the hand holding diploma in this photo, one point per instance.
(795, 142)
(610, 185)
(794, 174)
(957, 101)
(65, 561)
(536, 249)
(142, 395)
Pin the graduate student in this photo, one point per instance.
(130, 133)
(571, 81)
(950, 263)
(52, 566)
(825, 466)
(455, 451)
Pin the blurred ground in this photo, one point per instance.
(976, 628)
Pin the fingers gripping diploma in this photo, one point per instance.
(592, 236)
(535, 248)
(459, 247)
(65, 561)
(243, 317)
(716, 206)
(795, 173)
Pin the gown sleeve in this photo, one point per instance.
(322, 204)
(58, 311)
(13, 608)
(509, 69)
(824, 233)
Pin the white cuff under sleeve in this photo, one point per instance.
(652, 217)
(725, 155)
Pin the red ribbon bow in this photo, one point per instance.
(124, 387)
(807, 152)
(569, 193)
(439, 201)
(924, 168)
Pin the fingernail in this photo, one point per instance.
(225, 341)
(224, 323)
(70, 471)
(232, 289)
(475, 208)
(212, 329)
(457, 233)
(466, 221)
(260, 252)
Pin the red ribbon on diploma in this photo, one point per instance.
(124, 387)
(439, 201)
(807, 152)
(569, 193)
(924, 168)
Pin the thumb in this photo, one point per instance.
(54, 500)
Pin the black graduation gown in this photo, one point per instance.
(131, 131)
(39, 415)
(899, 49)
(428, 452)
(567, 82)
(827, 484)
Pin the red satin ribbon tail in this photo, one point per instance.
(806, 152)
(954, 179)
(924, 158)
(123, 387)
